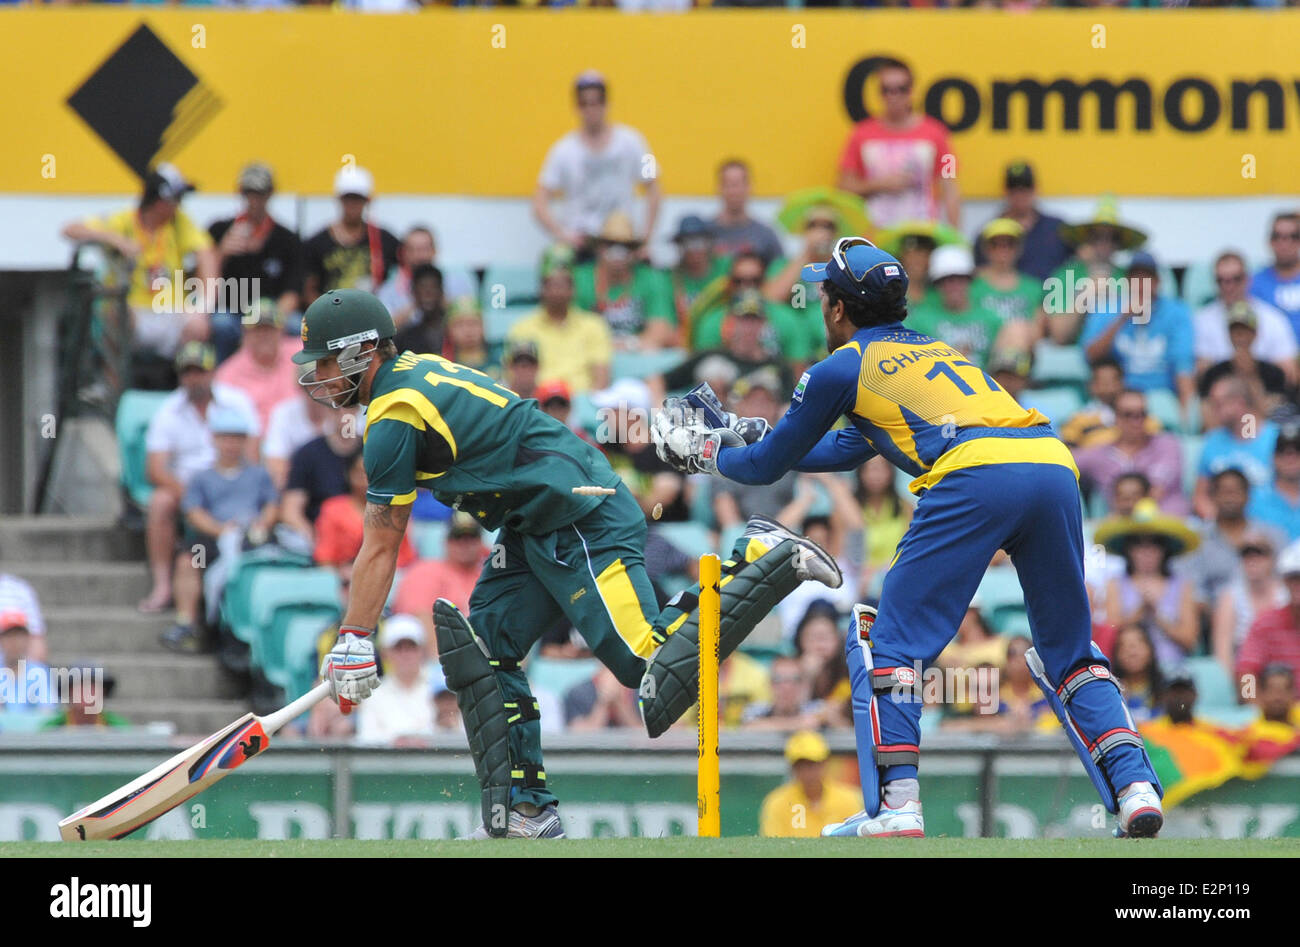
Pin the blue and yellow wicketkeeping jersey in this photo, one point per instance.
(909, 397)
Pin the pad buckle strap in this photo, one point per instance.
(522, 713)
(528, 776)
(1078, 678)
(1111, 739)
(898, 754)
(893, 680)
(504, 664)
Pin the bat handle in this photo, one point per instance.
(273, 722)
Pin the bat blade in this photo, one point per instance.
(165, 787)
(182, 777)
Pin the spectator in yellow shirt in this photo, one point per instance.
(572, 345)
(160, 247)
(809, 801)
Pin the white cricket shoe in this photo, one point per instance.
(903, 822)
(1140, 813)
(545, 824)
(811, 561)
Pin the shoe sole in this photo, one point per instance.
(905, 833)
(1146, 823)
(803, 542)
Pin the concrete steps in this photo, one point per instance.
(64, 538)
(88, 574)
(83, 582)
(165, 675)
(196, 718)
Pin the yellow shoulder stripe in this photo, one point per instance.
(411, 407)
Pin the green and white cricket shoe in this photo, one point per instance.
(545, 824)
(903, 822)
(811, 560)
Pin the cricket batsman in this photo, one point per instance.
(990, 475)
(481, 448)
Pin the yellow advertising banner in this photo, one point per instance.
(1159, 102)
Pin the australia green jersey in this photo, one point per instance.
(477, 446)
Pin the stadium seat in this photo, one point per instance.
(135, 409)
(691, 538)
(1214, 689)
(1198, 284)
(645, 364)
(557, 676)
(1192, 446)
(519, 283)
(236, 601)
(1059, 365)
(1058, 403)
(454, 275)
(1010, 622)
(290, 645)
(1163, 405)
(429, 538)
(497, 322)
(273, 588)
(999, 588)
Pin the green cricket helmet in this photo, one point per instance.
(337, 325)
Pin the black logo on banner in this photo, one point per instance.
(143, 102)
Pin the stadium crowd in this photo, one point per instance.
(1176, 389)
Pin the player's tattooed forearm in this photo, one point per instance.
(379, 516)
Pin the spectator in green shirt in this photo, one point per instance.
(1096, 242)
(1002, 289)
(787, 327)
(82, 699)
(954, 318)
(635, 299)
(696, 267)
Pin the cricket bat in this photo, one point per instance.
(183, 776)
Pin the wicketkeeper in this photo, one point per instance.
(481, 448)
(990, 475)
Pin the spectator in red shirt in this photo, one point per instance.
(452, 577)
(263, 367)
(1274, 638)
(901, 162)
(340, 526)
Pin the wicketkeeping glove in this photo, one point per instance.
(689, 448)
(350, 669)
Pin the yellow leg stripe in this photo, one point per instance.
(678, 623)
(753, 550)
(620, 598)
(725, 580)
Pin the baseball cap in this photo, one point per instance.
(558, 256)
(256, 177)
(401, 628)
(555, 390)
(14, 618)
(767, 378)
(522, 348)
(463, 524)
(865, 272)
(1002, 227)
(1142, 261)
(749, 302)
(1288, 435)
(167, 182)
(1288, 561)
(464, 307)
(225, 419)
(1019, 174)
(196, 354)
(264, 312)
(630, 393)
(589, 79)
(1015, 363)
(353, 179)
(692, 225)
(952, 260)
(806, 745)
(1241, 313)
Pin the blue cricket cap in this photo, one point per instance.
(869, 270)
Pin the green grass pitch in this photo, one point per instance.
(678, 847)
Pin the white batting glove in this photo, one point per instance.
(351, 670)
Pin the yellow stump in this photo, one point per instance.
(707, 790)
